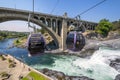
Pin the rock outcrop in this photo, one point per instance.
(113, 35)
(61, 76)
(95, 44)
(117, 77)
(115, 64)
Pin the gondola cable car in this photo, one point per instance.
(75, 40)
(35, 42)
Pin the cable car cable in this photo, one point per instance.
(79, 23)
(91, 7)
(54, 7)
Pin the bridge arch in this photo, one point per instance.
(24, 17)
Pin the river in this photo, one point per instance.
(96, 67)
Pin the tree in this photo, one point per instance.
(103, 28)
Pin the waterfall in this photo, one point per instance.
(97, 67)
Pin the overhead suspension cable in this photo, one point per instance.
(91, 7)
(54, 7)
(78, 17)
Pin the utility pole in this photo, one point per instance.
(33, 7)
(34, 27)
(15, 6)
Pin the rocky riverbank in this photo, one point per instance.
(116, 65)
(95, 41)
(61, 76)
(20, 42)
(95, 44)
(117, 77)
(88, 50)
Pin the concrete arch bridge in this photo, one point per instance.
(56, 26)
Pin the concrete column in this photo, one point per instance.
(64, 32)
(56, 27)
(45, 21)
(51, 23)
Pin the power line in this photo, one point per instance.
(55, 6)
(92, 7)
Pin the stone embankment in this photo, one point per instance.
(15, 71)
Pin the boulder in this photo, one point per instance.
(115, 64)
(117, 77)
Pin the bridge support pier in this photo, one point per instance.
(64, 33)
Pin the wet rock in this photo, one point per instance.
(95, 44)
(115, 43)
(90, 47)
(44, 70)
(80, 78)
(115, 64)
(117, 77)
(91, 35)
(60, 76)
(56, 75)
(113, 35)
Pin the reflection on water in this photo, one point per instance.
(96, 67)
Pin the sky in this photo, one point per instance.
(109, 10)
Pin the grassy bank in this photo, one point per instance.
(34, 76)
(20, 42)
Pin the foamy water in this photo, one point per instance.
(97, 67)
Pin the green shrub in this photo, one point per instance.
(4, 74)
(12, 65)
(17, 41)
(10, 61)
(104, 27)
(2, 57)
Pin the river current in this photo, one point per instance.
(96, 67)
